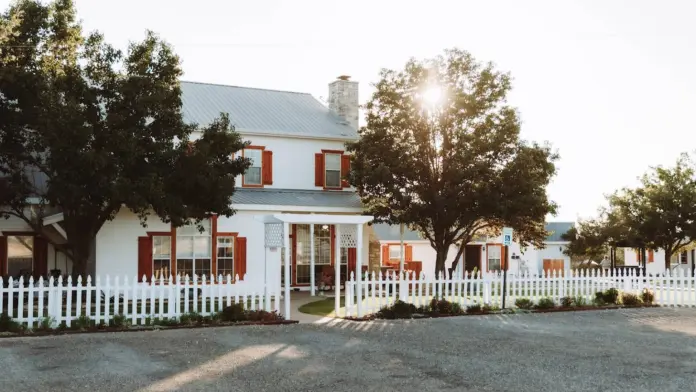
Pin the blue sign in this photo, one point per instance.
(507, 236)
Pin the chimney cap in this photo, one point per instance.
(344, 77)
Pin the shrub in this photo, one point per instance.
(119, 321)
(647, 296)
(233, 313)
(7, 324)
(566, 302)
(580, 301)
(599, 299)
(262, 315)
(473, 309)
(611, 296)
(524, 303)
(83, 322)
(190, 318)
(45, 324)
(546, 303)
(398, 310)
(629, 299)
(457, 309)
(486, 308)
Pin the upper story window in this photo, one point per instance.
(332, 169)
(260, 172)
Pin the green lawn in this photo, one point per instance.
(323, 308)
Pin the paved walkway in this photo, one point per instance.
(620, 350)
(300, 298)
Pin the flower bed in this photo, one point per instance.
(234, 315)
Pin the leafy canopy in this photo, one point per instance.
(87, 129)
(441, 152)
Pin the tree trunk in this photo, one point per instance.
(461, 254)
(440, 258)
(80, 239)
(668, 256)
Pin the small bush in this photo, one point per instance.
(486, 308)
(119, 321)
(599, 299)
(580, 301)
(611, 296)
(83, 322)
(567, 302)
(629, 299)
(398, 310)
(546, 303)
(7, 324)
(190, 318)
(233, 313)
(45, 324)
(457, 309)
(524, 303)
(647, 296)
(262, 315)
(473, 309)
(166, 322)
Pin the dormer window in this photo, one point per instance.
(332, 170)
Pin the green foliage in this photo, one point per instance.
(629, 299)
(88, 129)
(397, 310)
(587, 240)
(474, 309)
(45, 324)
(610, 296)
(190, 318)
(8, 324)
(119, 321)
(567, 302)
(524, 303)
(647, 296)
(233, 313)
(418, 164)
(487, 308)
(546, 303)
(263, 315)
(83, 322)
(579, 301)
(599, 299)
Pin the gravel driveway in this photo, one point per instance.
(625, 350)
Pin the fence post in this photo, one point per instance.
(53, 303)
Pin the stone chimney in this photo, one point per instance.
(343, 99)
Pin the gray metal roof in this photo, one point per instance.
(262, 111)
(295, 197)
(386, 232)
(557, 229)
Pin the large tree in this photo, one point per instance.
(587, 241)
(441, 152)
(87, 130)
(661, 212)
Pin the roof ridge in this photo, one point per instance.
(244, 87)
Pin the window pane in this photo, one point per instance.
(184, 247)
(494, 252)
(254, 156)
(395, 252)
(333, 179)
(253, 176)
(161, 269)
(184, 267)
(201, 246)
(202, 268)
(20, 255)
(192, 229)
(333, 161)
(225, 247)
(225, 267)
(162, 247)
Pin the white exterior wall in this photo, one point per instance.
(553, 250)
(658, 266)
(293, 159)
(117, 245)
(14, 224)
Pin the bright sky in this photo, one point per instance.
(610, 84)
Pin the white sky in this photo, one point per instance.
(610, 84)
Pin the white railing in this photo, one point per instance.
(57, 301)
(378, 290)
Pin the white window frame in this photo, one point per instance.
(327, 169)
(499, 258)
(219, 258)
(397, 248)
(254, 164)
(195, 234)
(156, 257)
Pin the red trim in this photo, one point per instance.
(244, 184)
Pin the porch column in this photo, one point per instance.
(288, 256)
(312, 280)
(337, 270)
(358, 265)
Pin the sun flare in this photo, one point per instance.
(433, 96)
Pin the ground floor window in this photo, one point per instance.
(225, 256)
(194, 250)
(20, 255)
(494, 257)
(162, 256)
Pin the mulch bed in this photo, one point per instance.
(552, 310)
(140, 328)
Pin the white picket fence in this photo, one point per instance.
(63, 300)
(375, 290)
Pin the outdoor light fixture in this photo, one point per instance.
(325, 227)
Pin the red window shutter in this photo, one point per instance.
(345, 169)
(41, 257)
(503, 266)
(385, 254)
(319, 169)
(240, 262)
(651, 256)
(408, 249)
(352, 260)
(3, 256)
(267, 167)
(145, 258)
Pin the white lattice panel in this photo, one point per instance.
(274, 235)
(349, 236)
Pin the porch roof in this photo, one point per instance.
(315, 219)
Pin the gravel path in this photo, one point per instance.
(625, 350)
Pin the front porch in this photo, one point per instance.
(315, 247)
